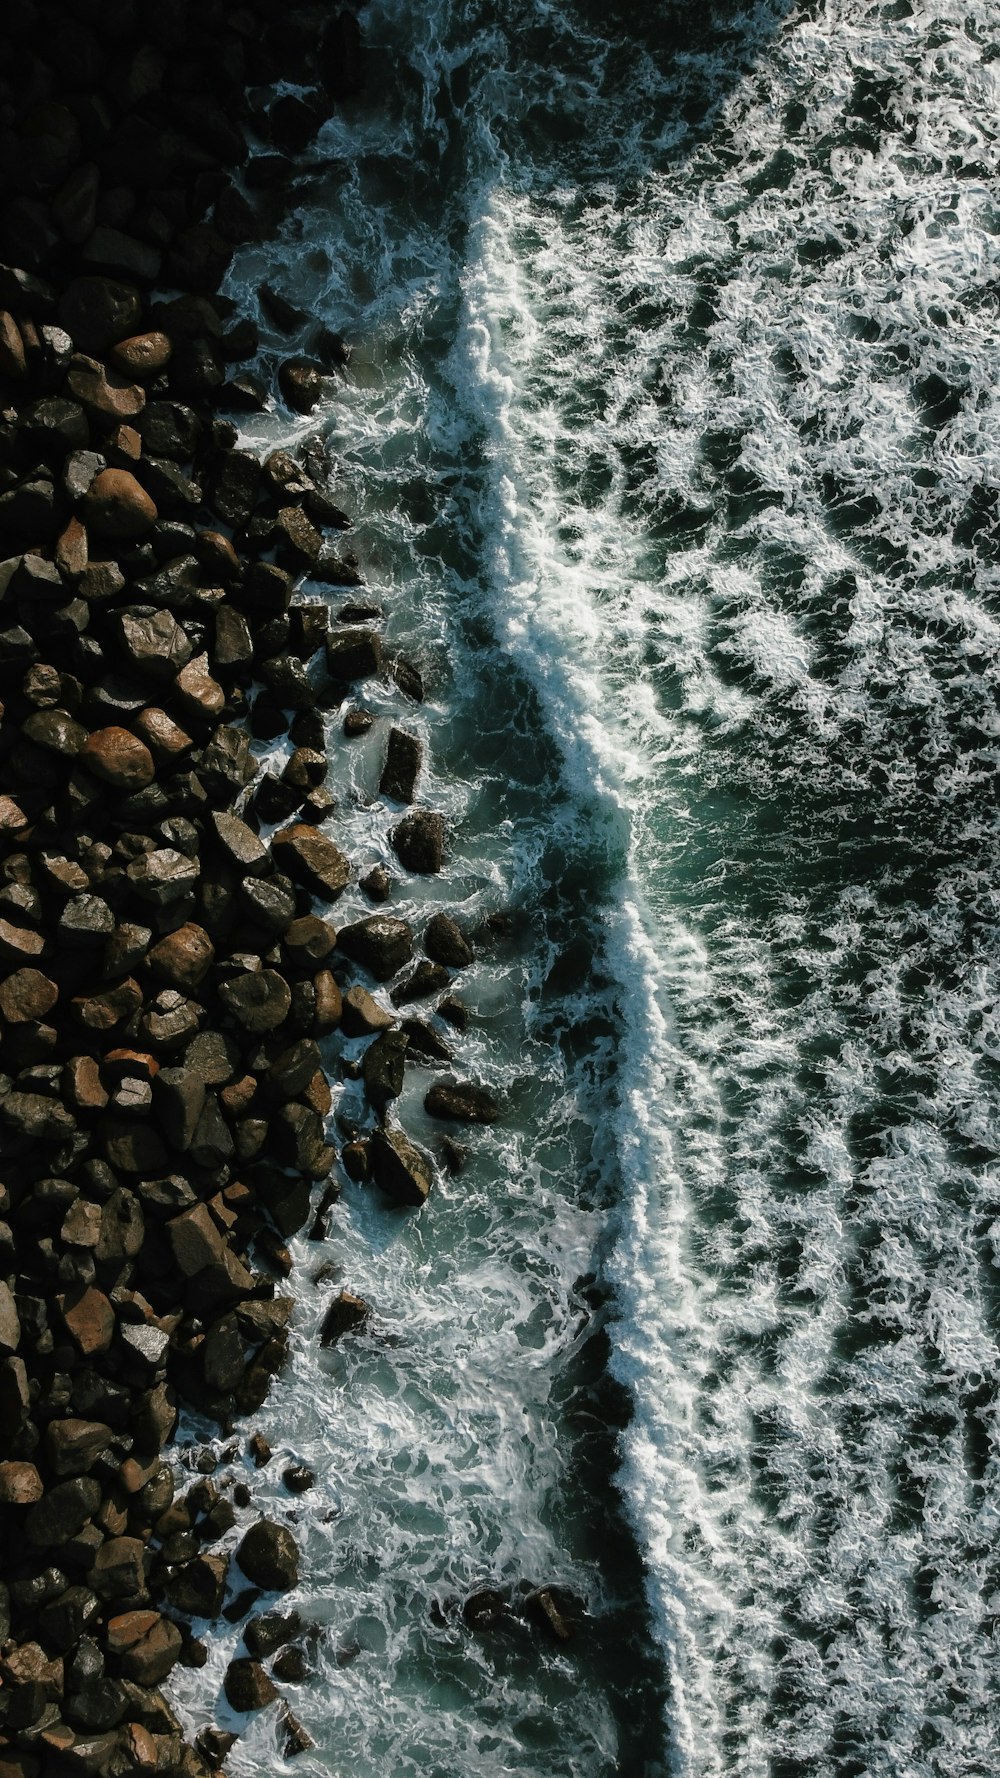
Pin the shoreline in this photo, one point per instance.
(165, 973)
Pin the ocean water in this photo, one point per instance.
(671, 435)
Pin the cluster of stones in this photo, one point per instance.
(165, 975)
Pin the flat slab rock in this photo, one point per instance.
(462, 1102)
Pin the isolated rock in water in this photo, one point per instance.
(381, 943)
(268, 1556)
(383, 1068)
(445, 942)
(462, 1102)
(399, 1168)
(301, 383)
(418, 842)
(345, 1313)
(403, 758)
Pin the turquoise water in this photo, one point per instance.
(671, 433)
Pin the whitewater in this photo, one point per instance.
(671, 435)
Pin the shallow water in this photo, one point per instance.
(671, 434)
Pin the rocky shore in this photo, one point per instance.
(168, 965)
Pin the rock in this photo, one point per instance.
(73, 1446)
(165, 738)
(118, 1571)
(353, 654)
(383, 1068)
(309, 940)
(62, 1512)
(345, 1313)
(462, 1102)
(98, 311)
(301, 383)
(259, 1000)
(418, 841)
(36, 1116)
(163, 876)
(377, 885)
(269, 1557)
(426, 978)
(309, 858)
(290, 1666)
(142, 355)
(108, 399)
(116, 757)
(169, 429)
(380, 943)
(86, 921)
(409, 679)
(358, 722)
(89, 1319)
(196, 1241)
(118, 506)
(485, 1609)
(425, 1042)
(362, 1016)
(26, 995)
(403, 759)
(56, 731)
(199, 1586)
(399, 1168)
(298, 1479)
(264, 1635)
(20, 1485)
(294, 1738)
(247, 1686)
(153, 642)
(296, 540)
(202, 695)
(445, 943)
(183, 957)
(147, 1645)
(260, 1451)
(239, 842)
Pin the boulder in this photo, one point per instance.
(118, 506)
(258, 1000)
(241, 845)
(301, 383)
(247, 1686)
(27, 995)
(461, 1102)
(403, 758)
(163, 876)
(383, 1068)
(380, 943)
(353, 654)
(264, 1635)
(183, 957)
(118, 758)
(345, 1313)
(198, 1587)
(361, 1015)
(399, 1168)
(418, 841)
(141, 355)
(20, 1484)
(147, 1658)
(153, 642)
(98, 311)
(89, 1319)
(62, 1512)
(73, 1445)
(269, 1557)
(309, 858)
(445, 942)
(118, 1571)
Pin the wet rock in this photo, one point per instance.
(107, 398)
(353, 654)
(183, 957)
(56, 731)
(399, 1168)
(380, 943)
(199, 1586)
(259, 1000)
(345, 1313)
(301, 383)
(118, 1571)
(425, 1042)
(462, 1102)
(146, 1644)
(118, 758)
(239, 842)
(418, 841)
(427, 978)
(308, 940)
(403, 759)
(445, 942)
(62, 1512)
(98, 311)
(298, 1479)
(486, 1609)
(247, 1686)
(269, 1557)
(358, 722)
(153, 642)
(163, 876)
(260, 1451)
(272, 1631)
(141, 356)
(309, 858)
(362, 1016)
(383, 1068)
(20, 1484)
(291, 1666)
(73, 1446)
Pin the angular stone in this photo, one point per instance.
(90, 1320)
(108, 399)
(445, 942)
(345, 1313)
(201, 694)
(153, 642)
(20, 1485)
(163, 876)
(381, 943)
(116, 757)
(418, 841)
(301, 383)
(239, 842)
(399, 1168)
(98, 311)
(62, 1512)
(383, 1068)
(133, 1147)
(118, 1571)
(309, 940)
(56, 731)
(425, 1042)
(196, 1241)
(169, 429)
(36, 1116)
(353, 654)
(426, 978)
(462, 1102)
(309, 858)
(26, 995)
(269, 1557)
(149, 1659)
(74, 1445)
(199, 1587)
(403, 759)
(183, 957)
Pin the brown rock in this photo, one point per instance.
(83, 1086)
(142, 355)
(118, 1571)
(102, 1012)
(72, 554)
(309, 939)
(146, 1657)
(345, 1313)
(201, 695)
(82, 1222)
(399, 1168)
(90, 1320)
(164, 737)
(109, 400)
(12, 359)
(418, 841)
(309, 858)
(74, 1445)
(118, 506)
(381, 943)
(196, 1241)
(269, 1557)
(183, 957)
(461, 1102)
(445, 942)
(199, 1587)
(403, 758)
(20, 1484)
(116, 757)
(247, 1686)
(27, 994)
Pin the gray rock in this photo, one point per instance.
(418, 841)
(399, 1168)
(462, 1102)
(381, 943)
(445, 942)
(403, 759)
